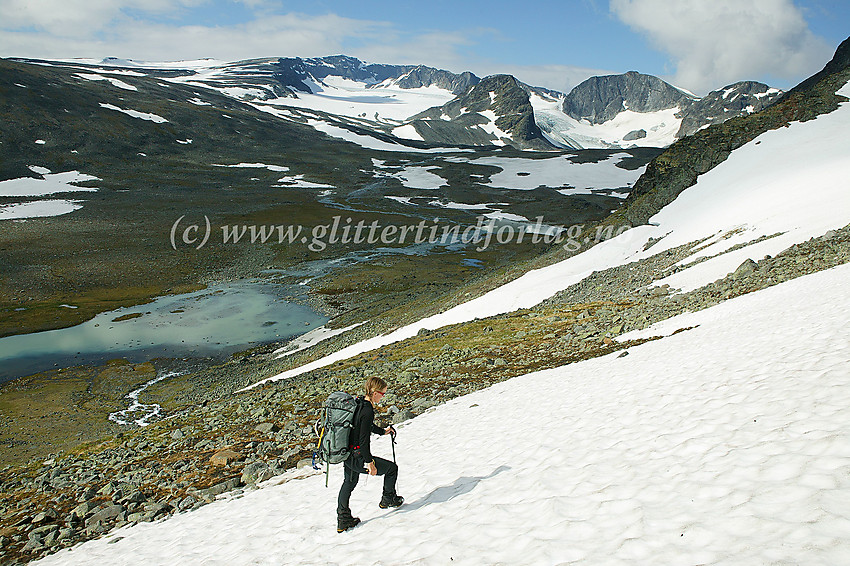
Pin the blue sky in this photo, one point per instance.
(696, 44)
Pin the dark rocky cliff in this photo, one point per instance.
(599, 99)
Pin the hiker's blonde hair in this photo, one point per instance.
(374, 383)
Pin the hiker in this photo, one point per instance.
(361, 460)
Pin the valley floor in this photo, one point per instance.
(727, 443)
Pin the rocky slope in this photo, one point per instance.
(738, 99)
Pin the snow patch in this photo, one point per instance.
(408, 131)
(114, 82)
(416, 177)
(38, 209)
(50, 184)
(312, 338)
(297, 181)
(136, 113)
(276, 168)
(526, 174)
(492, 129)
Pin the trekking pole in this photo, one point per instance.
(392, 437)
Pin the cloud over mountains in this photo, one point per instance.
(724, 41)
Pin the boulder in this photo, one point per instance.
(267, 428)
(220, 488)
(82, 510)
(46, 516)
(106, 514)
(224, 457)
(256, 472)
(745, 269)
(186, 503)
(403, 415)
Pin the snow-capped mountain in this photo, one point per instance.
(444, 108)
(633, 109)
(270, 78)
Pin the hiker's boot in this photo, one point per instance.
(391, 500)
(345, 521)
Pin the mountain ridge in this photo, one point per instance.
(575, 120)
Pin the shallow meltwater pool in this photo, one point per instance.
(216, 321)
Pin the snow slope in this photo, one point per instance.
(725, 444)
(791, 181)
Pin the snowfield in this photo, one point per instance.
(725, 444)
(527, 174)
(385, 101)
(660, 127)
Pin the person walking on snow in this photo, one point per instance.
(361, 460)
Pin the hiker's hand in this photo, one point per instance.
(390, 430)
(373, 470)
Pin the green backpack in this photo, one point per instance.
(334, 429)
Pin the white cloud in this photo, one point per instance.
(723, 41)
(275, 35)
(154, 31)
(78, 18)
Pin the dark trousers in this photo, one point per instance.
(352, 468)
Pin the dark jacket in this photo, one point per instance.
(361, 428)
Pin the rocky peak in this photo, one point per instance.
(292, 73)
(498, 100)
(422, 76)
(839, 63)
(599, 99)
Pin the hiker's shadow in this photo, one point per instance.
(461, 486)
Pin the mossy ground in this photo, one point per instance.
(62, 409)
